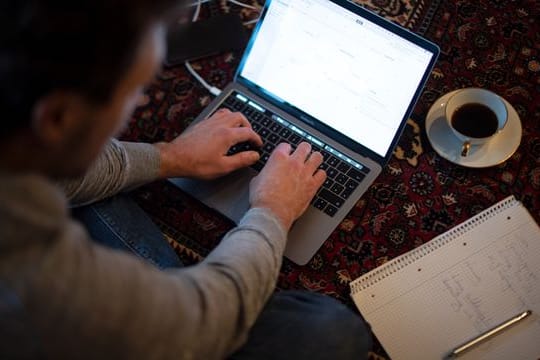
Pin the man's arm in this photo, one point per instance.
(85, 301)
(117, 305)
(121, 166)
(74, 299)
(200, 152)
(108, 302)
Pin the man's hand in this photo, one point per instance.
(201, 151)
(288, 182)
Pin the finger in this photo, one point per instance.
(229, 118)
(319, 177)
(314, 160)
(223, 111)
(302, 151)
(235, 119)
(245, 134)
(241, 160)
(282, 148)
(219, 113)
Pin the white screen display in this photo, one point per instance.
(339, 68)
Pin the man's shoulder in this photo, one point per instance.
(30, 204)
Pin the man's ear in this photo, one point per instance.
(56, 115)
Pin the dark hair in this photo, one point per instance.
(80, 45)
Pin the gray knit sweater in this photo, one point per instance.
(63, 296)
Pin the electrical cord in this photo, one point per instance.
(212, 89)
(197, 12)
(251, 21)
(196, 2)
(247, 6)
(243, 4)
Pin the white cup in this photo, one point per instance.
(475, 116)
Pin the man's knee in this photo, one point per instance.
(315, 326)
(344, 333)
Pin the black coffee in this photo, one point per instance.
(475, 120)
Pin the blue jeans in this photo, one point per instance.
(293, 325)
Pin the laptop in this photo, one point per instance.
(333, 74)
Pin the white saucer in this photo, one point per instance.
(496, 151)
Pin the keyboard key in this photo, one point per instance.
(225, 106)
(320, 204)
(276, 128)
(331, 172)
(233, 150)
(351, 184)
(257, 166)
(326, 155)
(337, 189)
(295, 139)
(330, 210)
(238, 105)
(356, 175)
(343, 167)
(268, 147)
(342, 178)
(273, 138)
(248, 112)
(257, 116)
(229, 100)
(265, 121)
(248, 146)
(333, 161)
(285, 133)
(328, 183)
(245, 146)
(332, 198)
(323, 166)
(346, 193)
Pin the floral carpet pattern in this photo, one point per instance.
(494, 44)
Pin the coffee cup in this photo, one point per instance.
(475, 116)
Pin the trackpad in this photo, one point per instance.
(229, 194)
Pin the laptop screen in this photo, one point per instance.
(346, 71)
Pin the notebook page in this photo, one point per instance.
(480, 278)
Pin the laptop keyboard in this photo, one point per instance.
(343, 174)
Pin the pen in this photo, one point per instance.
(488, 334)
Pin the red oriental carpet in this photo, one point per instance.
(494, 44)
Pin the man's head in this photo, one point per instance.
(70, 72)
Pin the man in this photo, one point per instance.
(71, 73)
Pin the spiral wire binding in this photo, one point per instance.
(393, 266)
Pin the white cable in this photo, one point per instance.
(197, 11)
(251, 21)
(213, 90)
(243, 4)
(197, 2)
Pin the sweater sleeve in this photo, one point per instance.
(121, 166)
(89, 302)
(85, 301)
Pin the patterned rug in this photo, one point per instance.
(494, 44)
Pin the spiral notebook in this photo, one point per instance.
(440, 295)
